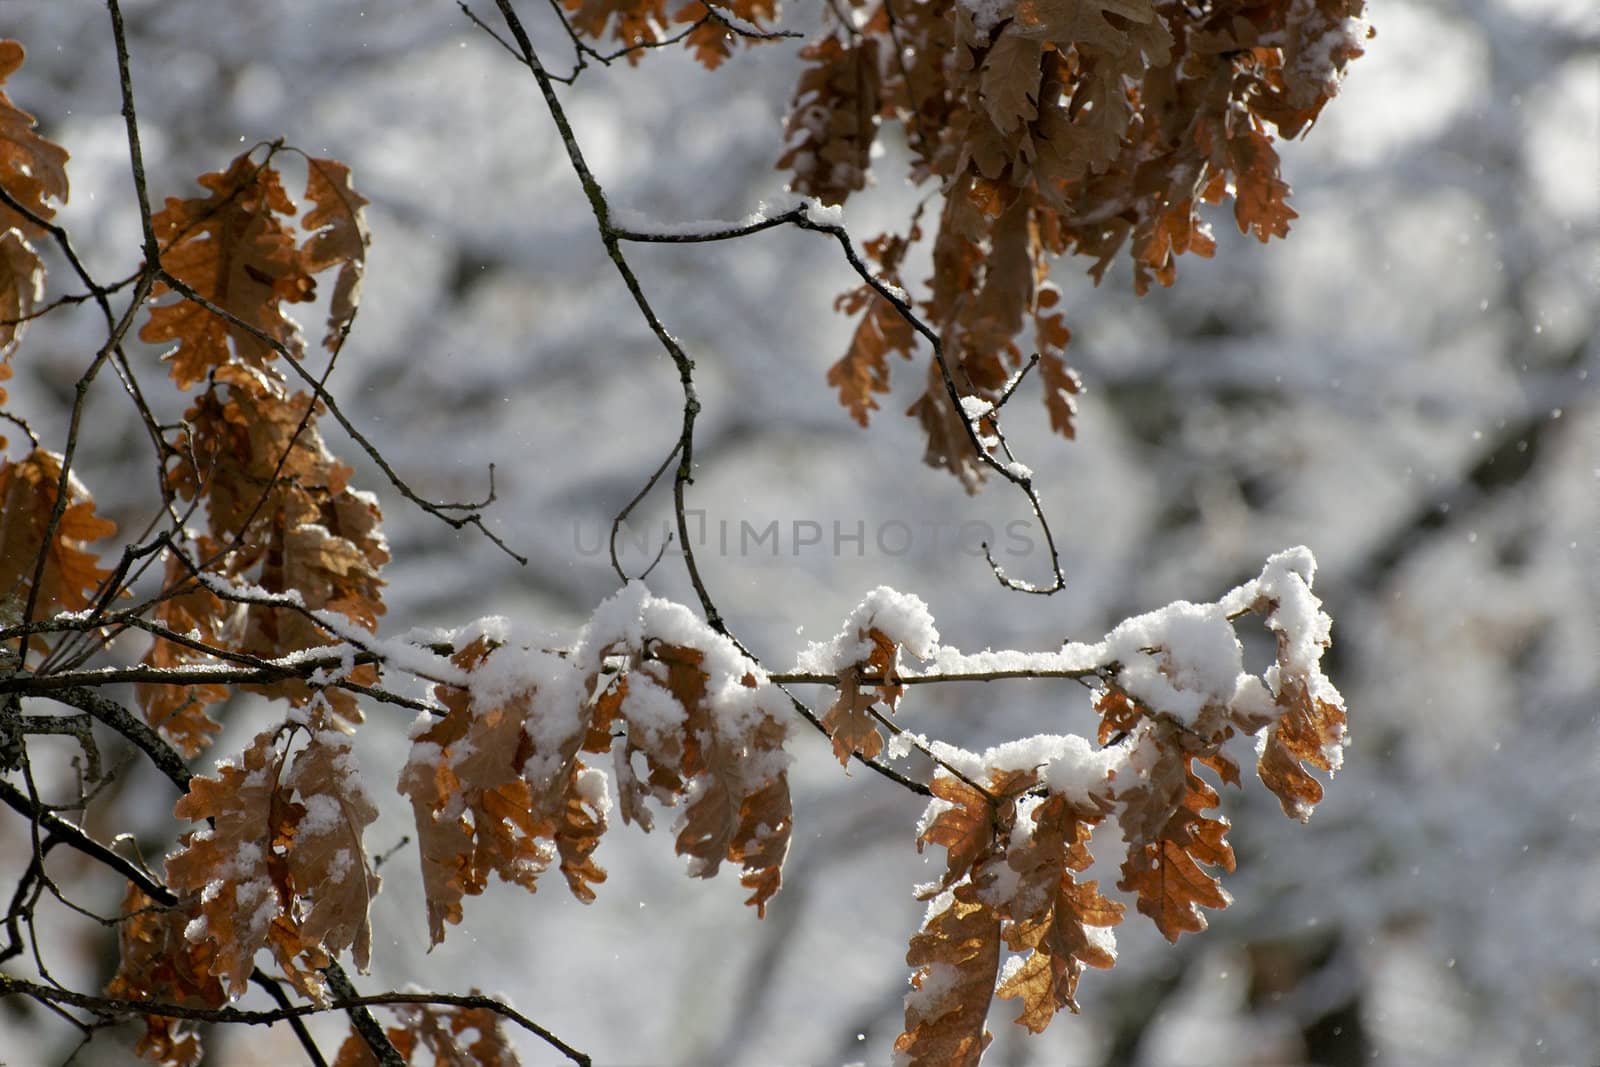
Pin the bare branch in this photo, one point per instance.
(113, 1006)
(802, 216)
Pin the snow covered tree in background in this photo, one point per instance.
(243, 616)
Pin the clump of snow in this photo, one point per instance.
(1326, 45)
(975, 407)
(937, 806)
(1001, 883)
(900, 744)
(259, 894)
(826, 214)
(323, 815)
(1303, 628)
(737, 708)
(1252, 701)
(901, 617)
(343, 863)
(1178, 659)
(1070, 658)
(986, 14)
(591, 789)
(1103, 938)
(651, 710)
(938, 982)
(1067, 763)
(409, 654)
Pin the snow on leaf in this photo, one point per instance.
(1051, 913)
(1319, 40)
(497, 785)
(474, 812)
(956, 955)
(737, 790)
(848, 721)
(1309, 725)
(237, 866)
(281, 865)
(328, 864)
(961, 820)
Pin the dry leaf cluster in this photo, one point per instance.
(1039, 128)
(1046, 128)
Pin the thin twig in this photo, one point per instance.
(115, 1006)
(608, 236)
(611, 237)
(70, 834)
(801, 216)
(440, 511)
(622, 516)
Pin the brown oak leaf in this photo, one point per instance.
(1165, 868)
(474, 812)
(439, 1030)
(71, 572)
(964, 826)
(331, 877)
(158, 962)
(1051, 913)
(339, 238)
(233, 248)
(21, 288)
(239, 865)
(956, 955)
(33, 170)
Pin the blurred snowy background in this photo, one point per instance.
(1406, 385)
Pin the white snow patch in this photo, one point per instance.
(901, 617)
(987, 13)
